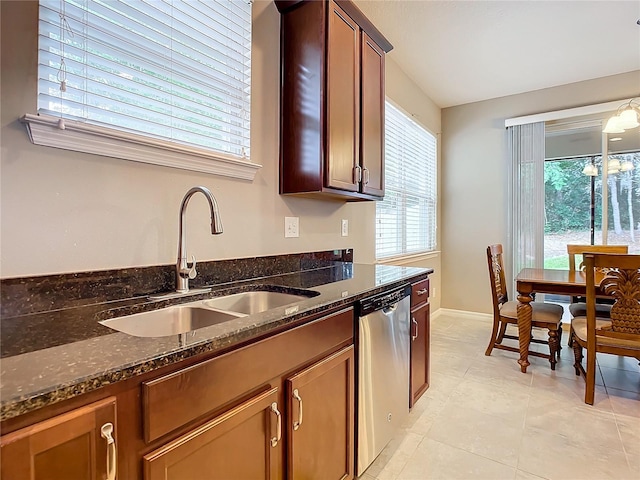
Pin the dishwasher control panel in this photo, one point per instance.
(383, 300)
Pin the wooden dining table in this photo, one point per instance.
(543, 280)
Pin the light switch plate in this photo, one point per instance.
(291, 227)
(345, 228)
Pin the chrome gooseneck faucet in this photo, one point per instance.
(184, 272)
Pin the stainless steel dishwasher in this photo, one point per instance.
(383, 371)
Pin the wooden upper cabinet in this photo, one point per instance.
(71, 446)
(372, 107)
(343, 105)
(332, 101)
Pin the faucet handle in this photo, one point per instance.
(192, 269)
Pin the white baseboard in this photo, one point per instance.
(460, 313)
(566, 326)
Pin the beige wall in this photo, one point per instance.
(474, 177)
(65, 211)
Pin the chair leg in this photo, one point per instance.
(494, 334)
(590, 388)
(554, 349)
(570, 341)
(559, 340)
(577, 354)
(503, 330)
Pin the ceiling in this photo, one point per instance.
(459, 52)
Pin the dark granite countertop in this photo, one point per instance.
(60, 353)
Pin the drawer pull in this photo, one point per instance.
(422, 292)
(298, 423)
(106, 432)
(276, 439)
(413, 337)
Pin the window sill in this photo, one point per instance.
(80, 137)
(405, 259)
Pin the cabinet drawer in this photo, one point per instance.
(419, 293)
(176, 399)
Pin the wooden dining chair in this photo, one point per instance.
(578, 306)
(619, 335)
(545, 315)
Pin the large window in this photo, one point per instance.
(406, 218)
(573, 205)
(176, 71)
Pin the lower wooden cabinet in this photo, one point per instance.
(298, 422)
(77, 445)
(241, 443)
(321, 420)
(281, 407)
(247, 441)
(420, 329)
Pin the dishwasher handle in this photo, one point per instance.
(390, 309)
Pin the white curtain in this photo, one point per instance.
(526, 197)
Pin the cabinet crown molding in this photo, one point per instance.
(353, 11)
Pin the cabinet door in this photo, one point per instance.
(419, 352)
(372, 117)
(321, 419)
(69, 446)
(241, 443)
(343, 101)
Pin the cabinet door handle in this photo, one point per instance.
(298, 423)
(422, 292)
(366, 175)
(106, 432)
(276, 439)
(413, 337)
(357, 174)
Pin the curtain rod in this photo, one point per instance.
(569, 112)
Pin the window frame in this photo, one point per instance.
(430, 197)
(77, 135)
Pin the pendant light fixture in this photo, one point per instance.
(626, 166)
(626, 117)
(591, 170)
(614, 166)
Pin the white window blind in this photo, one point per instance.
(176, 70)
(406, 218)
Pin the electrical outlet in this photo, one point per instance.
(345, 228)
(433, 292)
(291, 227)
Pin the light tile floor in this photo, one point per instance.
(483, 419)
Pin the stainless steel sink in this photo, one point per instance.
(203, 313)
(251, 302)
(169, 321)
